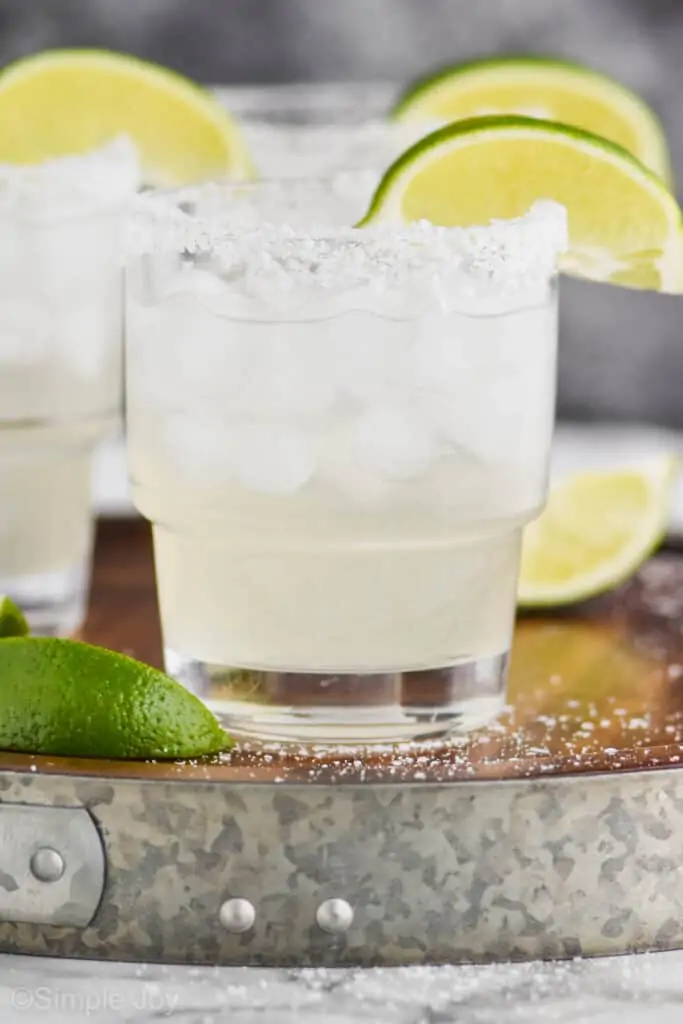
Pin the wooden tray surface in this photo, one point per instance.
(599, 689)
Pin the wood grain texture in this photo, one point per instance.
(596, 689)
(123, 612)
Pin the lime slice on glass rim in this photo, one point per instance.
(595, 532)
(541, 87)
(12, 619)
(65, 102)
(625, 227)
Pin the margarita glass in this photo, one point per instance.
(338, 435)
(61, 309)
(299, 131)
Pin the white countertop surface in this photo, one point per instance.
(616, 990)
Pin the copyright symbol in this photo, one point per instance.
(22, 999)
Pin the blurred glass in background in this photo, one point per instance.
(621, 353)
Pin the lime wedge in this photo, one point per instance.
(12, 620)
(596, 530)
(624, 226)
(541, 87)
(67, 698)
(64, 102)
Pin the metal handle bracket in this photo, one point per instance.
(52, 865)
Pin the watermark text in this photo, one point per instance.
(149, 997)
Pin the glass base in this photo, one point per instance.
(54, 603)
(347, 710)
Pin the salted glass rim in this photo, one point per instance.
(294, 191)
(369, 127)
(291, 104)
(161, 207)
(73, 186)
(270, 264)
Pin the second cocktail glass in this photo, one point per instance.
(338, 435)
(61, 321)
(302, 131)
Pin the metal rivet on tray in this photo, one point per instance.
(334, 916)
(47, 865)
(237, 915)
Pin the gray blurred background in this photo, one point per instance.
(621, 352)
